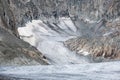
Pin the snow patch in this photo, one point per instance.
(83, 52)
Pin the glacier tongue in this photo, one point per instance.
(48, 39)
(89, 71)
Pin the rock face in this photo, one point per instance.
(18, 12)
(99, 26)
(14, 51)
(97, 23)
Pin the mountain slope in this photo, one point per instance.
(96, 22)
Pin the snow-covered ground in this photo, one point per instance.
(89, 71)
(48, 38)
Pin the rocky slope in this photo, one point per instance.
(97, 23)
(14, 51)
(100, 29)
(17, 12)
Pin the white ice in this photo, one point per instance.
(89, 71)
(67, 23)
(49, 40)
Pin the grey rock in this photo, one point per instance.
(14, 51)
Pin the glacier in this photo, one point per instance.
(88, 71)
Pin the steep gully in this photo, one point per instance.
(49, 39)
